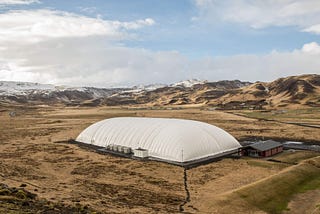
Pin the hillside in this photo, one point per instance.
(294, 91)
(284, 92)
(35, 93)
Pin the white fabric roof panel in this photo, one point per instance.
(169, 139)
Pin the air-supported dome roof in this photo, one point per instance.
(168, 139)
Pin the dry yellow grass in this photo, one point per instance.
(270, 194)
(64, 172)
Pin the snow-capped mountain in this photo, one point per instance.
(26, 92)
(23, 92)
(189, 83)
(22, 88)
(151, 87)
(11, 88)
(227, 94)
(142, 88)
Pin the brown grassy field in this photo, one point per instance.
(67, 174)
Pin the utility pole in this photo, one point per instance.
(181, 155)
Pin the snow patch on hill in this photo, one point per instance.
(21, 88)
(189, 83)
(9, 88)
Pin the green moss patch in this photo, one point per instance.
(273, 195)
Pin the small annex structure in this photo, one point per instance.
(169, 140)
(262, 149)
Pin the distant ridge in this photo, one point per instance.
(293, 91)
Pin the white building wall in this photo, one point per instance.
(140, 153)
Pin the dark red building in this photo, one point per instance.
(262, 149)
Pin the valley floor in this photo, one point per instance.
(66, 174)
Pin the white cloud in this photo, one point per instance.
(261, 13)
(39, 25)
(60, 47)
(260, 67)
(312, 48)
(313, 29)
(18, 2)
(86, 61)
(91, 61)
(88, 10)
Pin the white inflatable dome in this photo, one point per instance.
(174, 140)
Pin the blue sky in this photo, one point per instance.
(163, 41)
(175, 30)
